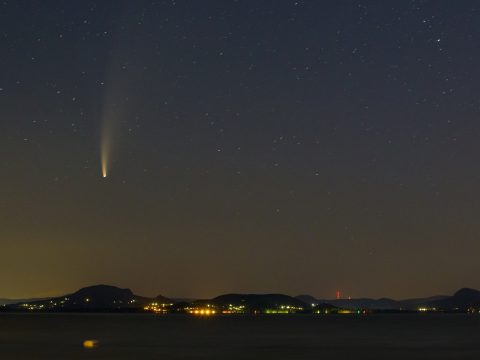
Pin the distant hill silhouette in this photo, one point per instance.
(258, 301)
(15, 301)
(380, 304)
(307, 299)
(107, 297)
(412, 304)
(162, 299)
(101, 296)
(97, 297)
(377, 304)
(462, 299)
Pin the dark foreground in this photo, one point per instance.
(60, 336)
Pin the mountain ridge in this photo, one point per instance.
(111, 297)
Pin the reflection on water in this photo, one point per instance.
(121, 336)
(90, 344)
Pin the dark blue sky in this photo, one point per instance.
(259, 146)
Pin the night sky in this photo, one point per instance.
(253, 146)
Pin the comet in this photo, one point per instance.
(112, 115)
(105, 150)
(104, 161)
(118, 87)
(104, 170)
(106, 143)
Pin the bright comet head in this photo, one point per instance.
(105, 152)
(104, 167)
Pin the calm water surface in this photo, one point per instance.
(60, 336)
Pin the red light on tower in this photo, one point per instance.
(339, 294)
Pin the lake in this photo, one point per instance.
(144, 336)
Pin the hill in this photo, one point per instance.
(378, 304)
(112, 298)
(461, 300)
(15, 301)
(254, 301)
(97, 297)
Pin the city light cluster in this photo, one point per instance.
(158, 308)
(205, 312)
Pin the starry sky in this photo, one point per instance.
(255, 146)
